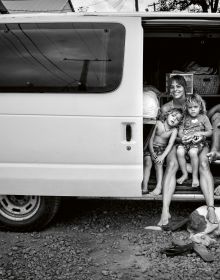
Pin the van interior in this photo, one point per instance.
(172, 46)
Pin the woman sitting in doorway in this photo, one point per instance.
(177, 89)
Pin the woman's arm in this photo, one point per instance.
(213, 110)
(213, 156)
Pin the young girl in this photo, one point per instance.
(193, 131)
(161, 142)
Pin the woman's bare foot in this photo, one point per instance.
(183, 178)
(195, 183)
(211, 216)
(164, 220)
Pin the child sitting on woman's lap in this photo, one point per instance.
(192, 133)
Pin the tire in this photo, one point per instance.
(27, 213)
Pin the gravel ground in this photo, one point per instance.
(103, 239)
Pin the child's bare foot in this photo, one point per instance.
(183, 178)
(156, 191)
(145, 191)
(144, 188)
(195, 183)
(211, 216)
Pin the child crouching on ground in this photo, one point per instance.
(192, 133)
(161, 143)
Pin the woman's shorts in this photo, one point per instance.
(158, 149)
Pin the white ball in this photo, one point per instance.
(150, 104)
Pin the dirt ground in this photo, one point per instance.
(103, 239)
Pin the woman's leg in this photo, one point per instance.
(215, 140)
(216, 132)
(193, 153)
(215, 149)
(147, 170)
(168, 185)
(207, 184)
(159, 176)
(181, 153)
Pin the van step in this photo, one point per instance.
(186, 188)
(182, 189)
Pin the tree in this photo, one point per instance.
(182, 5)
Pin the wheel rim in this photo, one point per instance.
(19, 207)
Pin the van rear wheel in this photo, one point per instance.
(27, 212)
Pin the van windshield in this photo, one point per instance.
(61, 57)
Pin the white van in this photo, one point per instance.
(71, 103)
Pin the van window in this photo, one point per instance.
(61, 57)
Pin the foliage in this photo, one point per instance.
(181, 5)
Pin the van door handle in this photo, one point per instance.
(128, 132)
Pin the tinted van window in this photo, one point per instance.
(61, 57)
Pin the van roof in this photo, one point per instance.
(116, 14)
(24, 17)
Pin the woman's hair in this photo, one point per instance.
(180, 80)
(195, 98)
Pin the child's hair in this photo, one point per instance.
(195, 98)
(180, 80)
(171, 111)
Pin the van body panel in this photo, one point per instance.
(75, 143)
(70, 140)
(71, 180)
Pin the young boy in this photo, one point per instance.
(161, 143)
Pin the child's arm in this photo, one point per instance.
(182, 137)
(208, 128)
(151, 148)
(180, 132)
(207, 133)
(201, 135)
(173, 136)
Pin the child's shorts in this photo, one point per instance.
(189, 146)
(158, 149)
